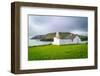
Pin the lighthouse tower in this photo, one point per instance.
(56, 40)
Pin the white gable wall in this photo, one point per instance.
(76, 40)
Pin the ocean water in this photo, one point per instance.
(36, 42)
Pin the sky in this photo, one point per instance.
(41, 24)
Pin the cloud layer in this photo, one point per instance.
(39, 24)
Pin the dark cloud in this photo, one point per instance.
(45, 24)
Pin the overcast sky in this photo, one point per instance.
(45, 24)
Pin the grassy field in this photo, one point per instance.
(52, 52)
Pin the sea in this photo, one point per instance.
(37, 42)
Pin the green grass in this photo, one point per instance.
(52, 52)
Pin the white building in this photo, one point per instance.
(70, 39)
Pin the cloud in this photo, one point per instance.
(46, 24)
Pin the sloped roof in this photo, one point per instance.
(66, 35)
(63, 35)
(71, 36)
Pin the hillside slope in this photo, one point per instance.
(63, 35)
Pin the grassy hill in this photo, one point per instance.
(50, 36)
(52, 52)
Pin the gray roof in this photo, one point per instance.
(71, 36)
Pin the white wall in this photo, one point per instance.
(5, 38)
(56, 41)
(76, 40)
(61, 41)
(65, 41)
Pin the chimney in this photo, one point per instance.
(57, 35)
(71, 34)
